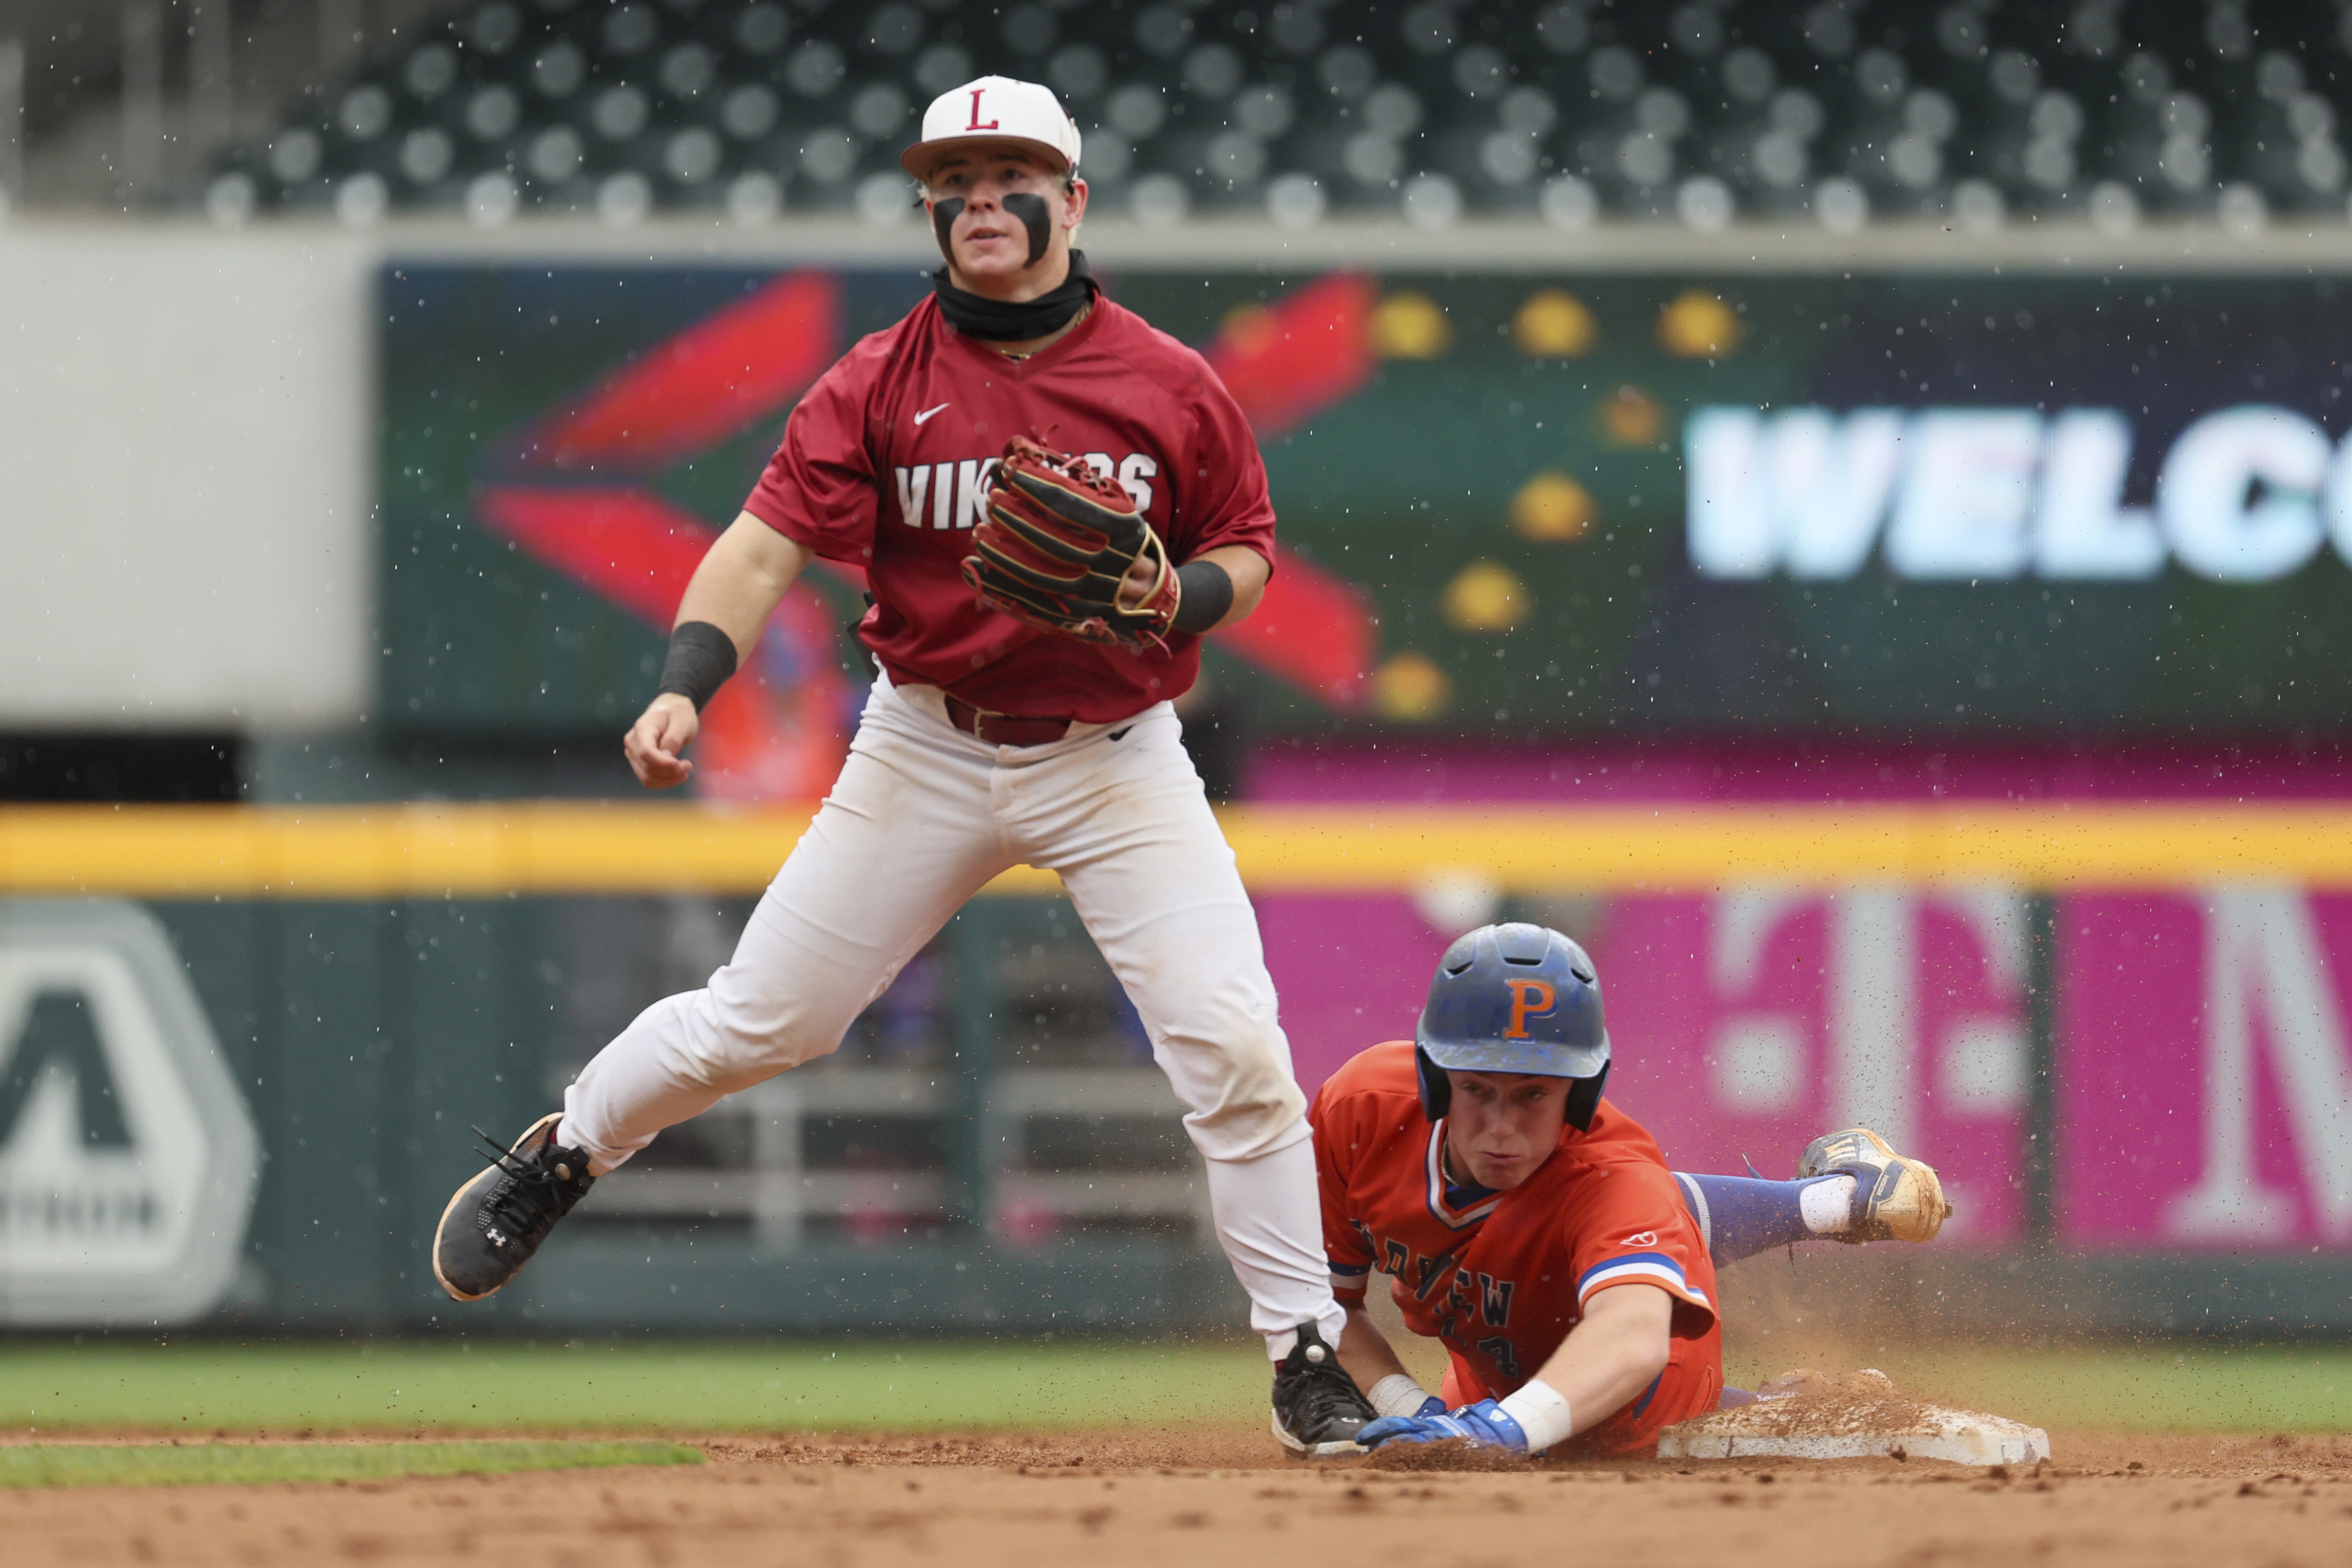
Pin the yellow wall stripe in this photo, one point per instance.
(546, 847)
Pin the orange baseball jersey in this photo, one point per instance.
(1504, 1277)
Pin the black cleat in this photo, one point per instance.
(1317, 1408)
(496, 1221)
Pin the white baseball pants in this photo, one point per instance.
(922, 815)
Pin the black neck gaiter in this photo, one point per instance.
(1002, 321)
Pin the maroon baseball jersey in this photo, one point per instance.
(886, 464)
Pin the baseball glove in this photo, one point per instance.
(1056, 548)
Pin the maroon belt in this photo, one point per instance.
(1003, 729)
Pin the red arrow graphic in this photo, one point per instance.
(1289, 361)
(696, 389)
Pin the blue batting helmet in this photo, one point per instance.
(1513, 998)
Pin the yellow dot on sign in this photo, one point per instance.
(1554, 325)
(1552, 507)
(1410, 326)
(1411, 688)
(1698, 326)
(1631, 417)
(1484, 598)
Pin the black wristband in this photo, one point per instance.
(700, 659)
(1208, 594)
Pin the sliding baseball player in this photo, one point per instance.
(1534, 1229)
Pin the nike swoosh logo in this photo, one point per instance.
(1120, 734)
(928, 412)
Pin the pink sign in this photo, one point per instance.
(2204, 1055)
(2204, 1076)
(2205, 1082)
(1742, 1024)
(1748, 1023)
(1350, 973)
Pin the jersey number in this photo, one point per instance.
(1506, 1357)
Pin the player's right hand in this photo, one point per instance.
(654, 741)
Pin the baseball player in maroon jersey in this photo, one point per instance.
(989, 741)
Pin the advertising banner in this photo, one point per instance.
(1511, 505)
(128, 1159)
(2201, 1068)
(2204, 1055)
(1763, 1019)
(1747, 1023)
(2205, 1091)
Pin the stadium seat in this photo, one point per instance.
(1698, 112)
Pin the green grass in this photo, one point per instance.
(715, 1386)
(200, 1464)
(202, 1387)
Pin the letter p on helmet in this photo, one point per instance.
(1530, 998)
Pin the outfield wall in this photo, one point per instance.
(2121, 1032)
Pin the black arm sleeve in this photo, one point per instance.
(1208, 594)
(700, 659)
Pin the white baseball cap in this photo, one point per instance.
(994, 109)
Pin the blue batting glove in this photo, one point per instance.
(1432, 1405)
(1483, 1424)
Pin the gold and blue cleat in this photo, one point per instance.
(1895, 1199)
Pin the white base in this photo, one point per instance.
(1960, 1436)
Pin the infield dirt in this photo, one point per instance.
(1223, 1498)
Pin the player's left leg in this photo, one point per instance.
(1742, 1215)
(1851, 1186)
(1125, 824)
(1128, 828)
